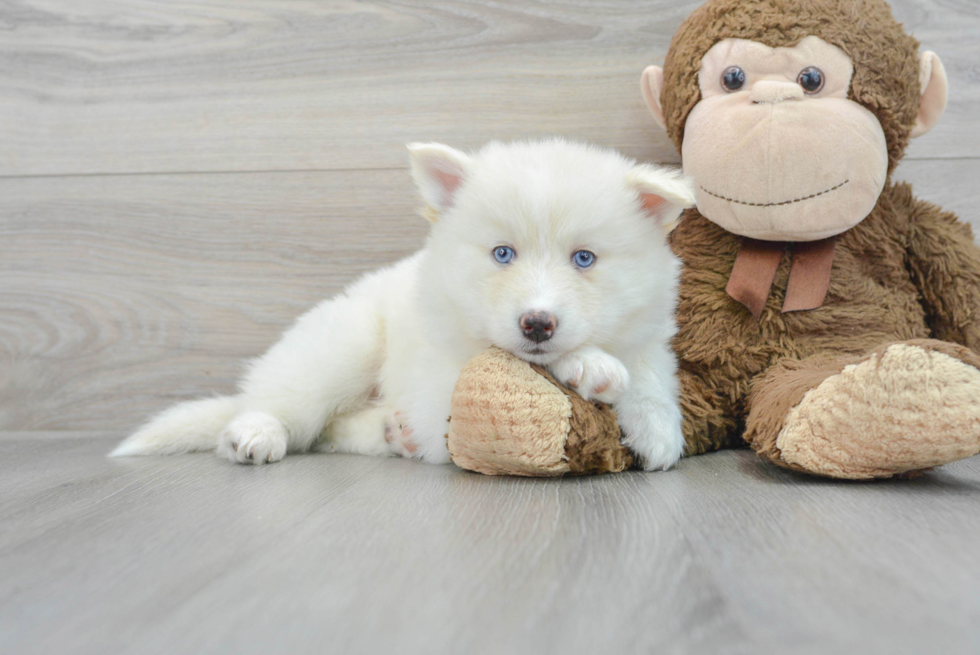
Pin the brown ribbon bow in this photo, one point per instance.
(756, 264)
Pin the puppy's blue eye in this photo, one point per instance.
(583, 258)
(503, 254)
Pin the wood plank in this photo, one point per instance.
(824, 566)
(124, 294)
(322, 547)
(723, 554)
(102, 280)
(104, 86)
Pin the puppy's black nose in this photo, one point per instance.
(538, 326)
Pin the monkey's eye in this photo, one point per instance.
(811, 79)
(733, 78)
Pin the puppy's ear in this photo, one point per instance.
(438, 172)
(663, 192)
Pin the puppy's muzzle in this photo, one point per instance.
(538, 326)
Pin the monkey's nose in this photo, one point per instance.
(538, 326)
(771, 92)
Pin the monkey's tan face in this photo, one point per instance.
(776, 149)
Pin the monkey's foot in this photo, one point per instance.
(906, 407)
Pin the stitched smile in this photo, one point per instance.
(776, 204)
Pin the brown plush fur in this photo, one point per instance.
(886, 66)
(909, 271)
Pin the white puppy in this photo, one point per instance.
(552, 250)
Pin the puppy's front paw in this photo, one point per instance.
(654, 438)
(253, 438)
(594, 374)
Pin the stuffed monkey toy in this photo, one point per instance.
(826, 316)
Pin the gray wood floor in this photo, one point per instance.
(354, 554)
(179, 180)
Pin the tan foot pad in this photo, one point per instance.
(512, 419)
(902, 410)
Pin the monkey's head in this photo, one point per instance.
(791, 114)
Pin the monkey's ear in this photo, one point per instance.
(438, 172)
(651, 84)
(664, 193)
(934, 90)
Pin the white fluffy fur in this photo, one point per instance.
(372, 370)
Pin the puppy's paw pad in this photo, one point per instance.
(594, 374)
(399, 436)
(569, 373)
(253, 438)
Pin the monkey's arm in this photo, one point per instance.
(944, 263)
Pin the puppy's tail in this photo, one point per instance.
(183, 428)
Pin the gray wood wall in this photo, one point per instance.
(178, 181)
